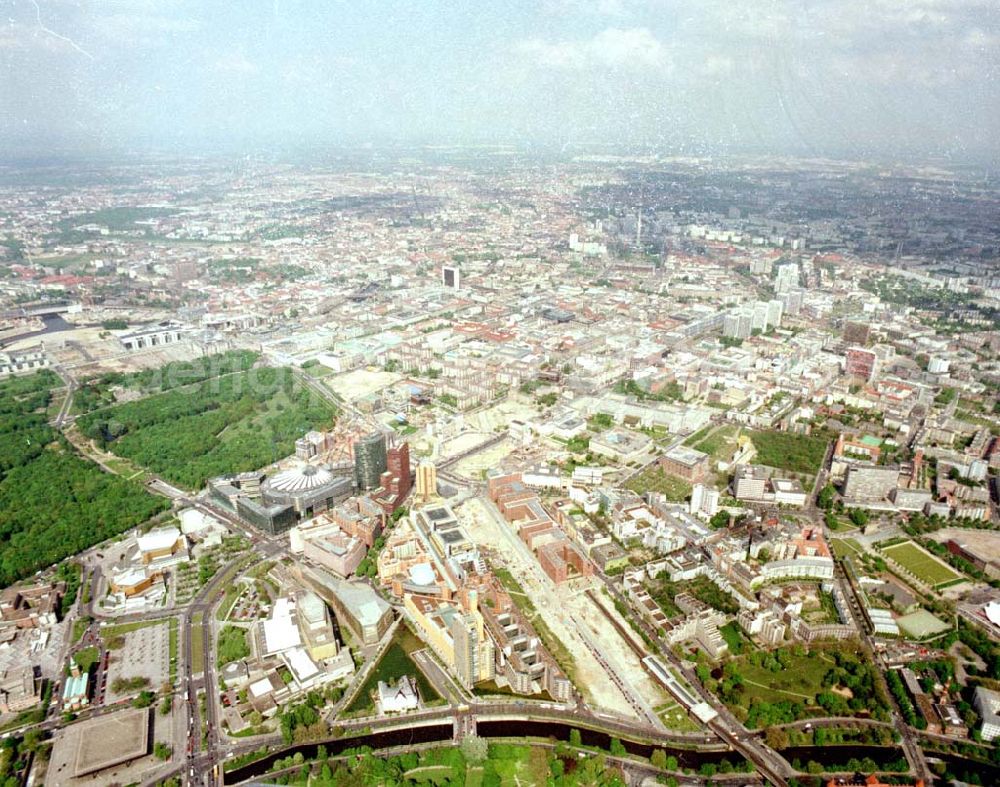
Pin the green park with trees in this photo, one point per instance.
(791, 683)
(101, 390)
(53, 502)
(227, 424)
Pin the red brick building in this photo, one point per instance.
(559, 557)
(360, 517)
(861, 363)
(395, 482)
(693, 466)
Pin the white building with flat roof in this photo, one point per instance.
(987, 705)
(280, 632)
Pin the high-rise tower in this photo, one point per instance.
(370, 461)
(426, 480)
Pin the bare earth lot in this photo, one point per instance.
(359, 383)
(984, 542)
(563, 609)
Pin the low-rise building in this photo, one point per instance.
(76, 688)
(22, 363)
(31, 607)
(398, 697)
(133, 582)
(692, 466)
(162, 547)
(702, 628)
(18, 689)
(870, 483)
(621, 445)
(609, 557)
(755, 485)
(335, 551)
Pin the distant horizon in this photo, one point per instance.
(904, 80)
(329, 151)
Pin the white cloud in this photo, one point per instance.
(236, 64)
(615, 8)
(144, 29)
(632, 48)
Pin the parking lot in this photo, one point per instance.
(144, 653)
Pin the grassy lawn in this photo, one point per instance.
(79, 628)
(801, 681)
(174, 636)
(232, 593)
(55, 405)
(734, 638)
(796, 452)
(86, 658)
(922, 564)
(489, 688)
(519, 765)
(232, 645)
(316, 369)
(846, 547)
(125, 628)
(123, 467)
(840, 524)
(197, 642)
(394, 664)
(695, 438)
(653, 479)
(430, 774)
(673, 715)
(719, 442)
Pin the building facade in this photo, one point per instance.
(370, 461)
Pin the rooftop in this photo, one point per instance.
(110, 740)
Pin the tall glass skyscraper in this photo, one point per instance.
(370, 461)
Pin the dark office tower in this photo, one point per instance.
(369, 461)
(451, 277)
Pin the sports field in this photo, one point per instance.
(922, 564)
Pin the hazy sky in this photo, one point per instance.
(836, 77)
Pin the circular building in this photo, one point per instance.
(306, 488)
